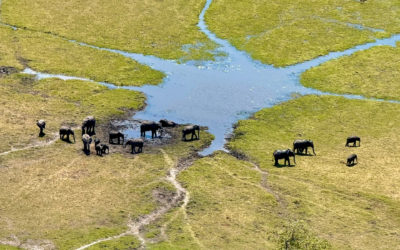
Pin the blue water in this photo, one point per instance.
(218, 93)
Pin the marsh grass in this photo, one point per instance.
(49, 54)
(370, 73)
(352, 208)
(283, 32)
(159, 28)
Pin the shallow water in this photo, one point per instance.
(218, 94)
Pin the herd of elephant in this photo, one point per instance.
(88, 128)
(301, 145)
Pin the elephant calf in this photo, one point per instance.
(191, 130)
(300, 145)
(115, 135)
(351, 159)
(105, 147)
(87, 140)
(99, 150)
(353, 139)
(283, 154)
(135, 143)
(66, 131)
(42, 125)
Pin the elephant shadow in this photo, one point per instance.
(67, 141)
(41, 135)
(284, 166)
(304, 154)
(352, 165)
(86, 152)
(189, 140)
(91, 133)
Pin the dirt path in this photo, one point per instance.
(38, 144)
(134, 226)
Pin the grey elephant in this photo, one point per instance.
(351, 159)
(149, 126)
(66, 131)
(135, 143)
(115, 135)
(191, 130)
(167, 123)
(42, 125)
(87, 140)
(99, 150)
(283, 154)
(88, 125)
(300, 145)
(353, 139)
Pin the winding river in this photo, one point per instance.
(218, 93)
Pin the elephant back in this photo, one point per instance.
(189, 128)
(41, 123)
(64, 129)
(88, 120)
(86, 138)
(353, 137)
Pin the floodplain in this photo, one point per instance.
(53, 195)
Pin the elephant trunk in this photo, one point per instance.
(124, 145)
(74, 137)
(198, 131)
(294, 159)
(313, 151)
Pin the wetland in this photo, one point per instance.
(248, 108)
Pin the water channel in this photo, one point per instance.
(218, 93)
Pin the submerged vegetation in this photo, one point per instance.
(372, 73)
(160, 28)
(284, 32)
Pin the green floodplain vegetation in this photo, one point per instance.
(372, 73)
(50, 54)
(161, 28)
(284, 32)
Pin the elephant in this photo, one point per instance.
(99, 150)
(64, 130)
(135, 143)
(149, 126)
(167, 123)
(96, 141)
(87, 140)
(105, 147)
(88, 125)
(351, 159)
(115, 135)
(353, 139)
(42, 125)
(283, 154)
(300, 145)
(190, 130)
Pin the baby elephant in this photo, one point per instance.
(353, 139)
(351, 159)
(99, 150)
(42, 125)
(105, 147)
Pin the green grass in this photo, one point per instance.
(50, 54)
(371, 73)
(3, 247)
(351, 207)
(159, 28)
(283, 32)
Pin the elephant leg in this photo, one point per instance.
(276, 161)
(306, 152)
